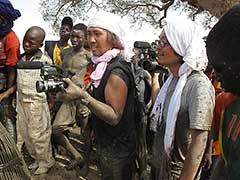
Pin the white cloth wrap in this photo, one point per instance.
(116, 25)
(186, 41)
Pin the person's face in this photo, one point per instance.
(65, 31)
(98, 40)
(31, 42)
(165, 53)
(77, 38)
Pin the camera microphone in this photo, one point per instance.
(141, 45)
(29, 65)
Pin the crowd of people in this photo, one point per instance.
(181, 117)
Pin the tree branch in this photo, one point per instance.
(165, 8)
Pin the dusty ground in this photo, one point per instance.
(59, 172)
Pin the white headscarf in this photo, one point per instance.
(116, 25)
(186, 41)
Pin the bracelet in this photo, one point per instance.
(86, 101)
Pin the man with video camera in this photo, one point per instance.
(144, 53)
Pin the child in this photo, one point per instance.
(54, 48)
(34, 122)
(75, 60)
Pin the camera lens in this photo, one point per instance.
(40, 86)
(153, 66)
(149, 65)
(146, 65)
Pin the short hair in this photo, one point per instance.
(82, 27)
(223, 49)
(224, 39)
(67, 21)
(41, 31)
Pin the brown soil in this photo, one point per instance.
(59, 171)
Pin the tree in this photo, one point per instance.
(138, 10)
(215, 7)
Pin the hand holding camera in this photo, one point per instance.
(52, 79)
(148, 57)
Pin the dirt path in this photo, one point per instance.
(59, 172)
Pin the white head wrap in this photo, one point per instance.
(186, 41)
(116, 25)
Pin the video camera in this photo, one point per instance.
(52, 79)
(148, 56)
(51, 75)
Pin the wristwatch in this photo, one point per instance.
(86, 101)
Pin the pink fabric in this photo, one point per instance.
(101, 65)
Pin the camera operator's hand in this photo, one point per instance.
(155, 85)
(72, 92)
(8, 92)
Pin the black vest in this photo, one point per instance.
(49, 48)
(119, 140)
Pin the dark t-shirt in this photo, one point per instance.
(120, 73)
(231, 140)
(119, 140)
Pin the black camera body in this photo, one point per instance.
(148, 56)
(52, 79)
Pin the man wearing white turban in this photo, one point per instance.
(183, 106)
(112, 100)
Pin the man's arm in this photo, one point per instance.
(11, 75)
(207, 157)
(115, 95)
(155, 87)
(11, 82)
(12, 49)
(194, 155)
(116, 92)
(7, 93)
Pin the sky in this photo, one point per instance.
(31, 16)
